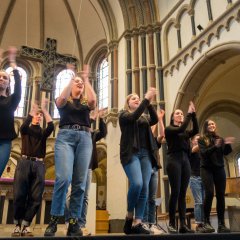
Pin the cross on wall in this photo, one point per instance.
(49, 58)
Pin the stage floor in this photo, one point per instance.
(213, 236)
(61, 234)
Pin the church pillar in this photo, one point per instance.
(113, 46)
(37, 96)
(136, 70)
(152, 66)
(144, 61)
(129, 63)
(163, 182)
(177, 26)
(209, 8)
(191, 14)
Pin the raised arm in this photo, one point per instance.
(24, 129)
(91, 95)
(44, 106)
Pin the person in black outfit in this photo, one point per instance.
(212, 149)
(30, 172)
(137, 154)
(97, 135)
(8, 105)
(178, 166)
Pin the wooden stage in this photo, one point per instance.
(213, 236)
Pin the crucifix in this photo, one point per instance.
(49, 58)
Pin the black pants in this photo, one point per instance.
(210, 178)
(179, 171)
(28, 189)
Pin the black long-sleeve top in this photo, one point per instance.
(34, 138)
(129, 142)
(96, 136)
(195, 164)
(211, 155)
(8, 106)
(177, 137)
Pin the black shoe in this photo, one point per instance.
(140, 228)
(127, 228)
(172, 229)
(73, 228)
(209, 228)
(185, 229)
(52, 227)
(223, 229)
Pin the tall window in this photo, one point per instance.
(63, 79)
(102, 85)
(20, 109)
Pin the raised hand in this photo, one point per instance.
(191, 107)
(150, 93)
(34, 109)
(160, 114)
(229, 140)
(12, 53)
(101, 113)
(85, 73)
(218, 142)
(44, 104)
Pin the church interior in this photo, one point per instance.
(186, 49)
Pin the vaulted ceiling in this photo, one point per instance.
(79, 26)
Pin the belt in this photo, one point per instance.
(25, 157)
(76, 127)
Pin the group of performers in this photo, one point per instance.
(75, 158)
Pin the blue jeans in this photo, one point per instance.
(198, 195)
(5, 149)
(138, 171)
(82, 220)
(150, 208)
(73, 150)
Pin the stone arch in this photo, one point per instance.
(171, 22)
(201, 69)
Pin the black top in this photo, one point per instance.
(74, 112)
(178, 137)
(212, 156)
(96, 136)
(143, 132)
(129, 142)
(8, 106)
(34, 138)
(195, 164)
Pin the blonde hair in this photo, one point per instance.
(8, 89)
(126, 105)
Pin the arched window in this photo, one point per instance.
(237, 165)
(63, 79)
(20, 109)
(102, 84)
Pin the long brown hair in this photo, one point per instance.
(207, 136)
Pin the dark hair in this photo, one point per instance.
(171, 118)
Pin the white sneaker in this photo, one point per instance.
(155, 229)
(85, 232)
(17, 231)
(26, 231)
